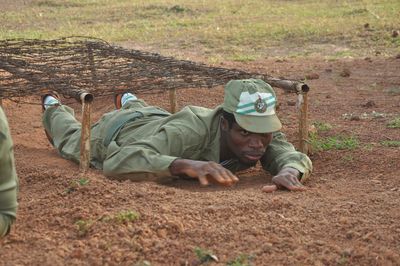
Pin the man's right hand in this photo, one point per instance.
(206, 172)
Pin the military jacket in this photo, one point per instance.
(8, 178)
(147, 146)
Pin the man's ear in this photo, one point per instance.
(224, 124)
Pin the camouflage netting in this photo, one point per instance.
(74, 64)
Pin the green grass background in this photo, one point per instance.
(232, 29)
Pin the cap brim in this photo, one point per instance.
(259, 124)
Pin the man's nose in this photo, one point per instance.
(256, 143)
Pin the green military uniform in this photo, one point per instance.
(8, 178)
(142, 141)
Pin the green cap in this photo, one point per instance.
(252, 102)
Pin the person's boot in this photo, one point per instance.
(50, 99)
(121, 99)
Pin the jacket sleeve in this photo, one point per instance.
(8, 179)
(154, 154)
(281, 154)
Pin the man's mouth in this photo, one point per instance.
(253, 156)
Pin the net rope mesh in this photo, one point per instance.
(71, 65)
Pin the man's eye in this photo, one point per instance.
(244, 132)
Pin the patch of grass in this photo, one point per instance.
(299, 54)
(364, 116)
(126, 216)
(343, 260)
(215, 60)
(357, 11)
(178, 9)
(344, 257)
(75, 184)
(322, 126)
(84, 226)
(241, 260)
(58, 4)
(333, 143)
(395, 123)
(242, 58)
(391, 143)
(204, 256)
(121, 217)
(345, 53)
(83, 181)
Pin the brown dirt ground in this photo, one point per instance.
(349, 215)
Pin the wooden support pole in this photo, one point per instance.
(172, 101)
(303, 124)
(86, 100)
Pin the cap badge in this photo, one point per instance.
(260, 105)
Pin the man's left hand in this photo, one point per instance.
(287, 178)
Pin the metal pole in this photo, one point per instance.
(86, 100)
(303, 124)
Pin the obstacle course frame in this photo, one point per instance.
(82, 67)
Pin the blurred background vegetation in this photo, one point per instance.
(238, 30)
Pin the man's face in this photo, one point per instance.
(248, 147)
